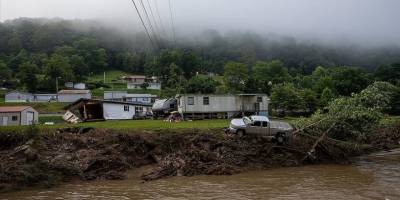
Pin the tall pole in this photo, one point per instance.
(104, 78)
(56, 84)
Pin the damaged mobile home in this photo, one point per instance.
(208, 106)
(87, 110)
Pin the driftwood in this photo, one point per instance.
(320, 139)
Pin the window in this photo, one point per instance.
(265, 124)
(190, 100)
(14, 118)
(256, 123)
(171, 106)
(259, 99)
(126, 108)
(138, 110)
(145, 99)
(206, 100)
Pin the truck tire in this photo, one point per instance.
(240, 133)
(280, 138)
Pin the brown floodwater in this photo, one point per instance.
(370, 177)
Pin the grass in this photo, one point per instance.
(55, 119)
(42, 108)
(156, 124)
(390, 120)
(110, 76)
(132, 125)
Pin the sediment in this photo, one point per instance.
(90, 154)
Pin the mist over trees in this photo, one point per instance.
(33, 52)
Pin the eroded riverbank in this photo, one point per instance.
(53, 158)
(369, 177)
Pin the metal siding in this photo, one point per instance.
(24, 120)
(114, 95)
(69, 98)
(18, 97)
(221, 103)
(9, 120)
(116, 111)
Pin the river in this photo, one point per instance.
(370, 177)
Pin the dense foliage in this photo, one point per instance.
(354, 117)
(299, 76)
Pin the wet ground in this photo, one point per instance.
(370, 177)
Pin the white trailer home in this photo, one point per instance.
(97, 110)
(69, 96)
(125, 97)
(18, 116)
(200, 106)
(17, 96)
(45, 97)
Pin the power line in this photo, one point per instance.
(172, 21)
(152, 15)
(159, 17)
(144, 25)
(149, 21)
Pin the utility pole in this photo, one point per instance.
(104, 78)
(57, 84)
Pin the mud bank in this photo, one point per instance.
(51, 158)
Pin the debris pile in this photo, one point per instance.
(89, 154)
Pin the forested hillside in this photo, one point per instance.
(33, 52)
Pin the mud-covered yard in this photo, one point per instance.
(50, 158)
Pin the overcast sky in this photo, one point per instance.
(363, 21)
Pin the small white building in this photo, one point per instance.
(80, 86)
(18, 116)
(136, 82)
(125, 97)
(222, 106)
(69, 96)
(45, 97)
(108, 95)
(96, 110)
(17, 96)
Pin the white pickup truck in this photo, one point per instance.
(261, 125)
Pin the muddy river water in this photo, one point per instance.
(370, 177)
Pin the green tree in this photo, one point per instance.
(176, 80)
(79, 68)
(5, 72)
(286, 98)
(348, 80)
(273, 71)
(201, 84)
(95, 57)
(27, 76)
(309, 97)
(58, 66)
(389, 73)
(235, 75)
(326, 97)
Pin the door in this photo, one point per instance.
(30, 118)
(254, 128)
(4, 121)
(265, 129)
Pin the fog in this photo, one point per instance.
(364, 22)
